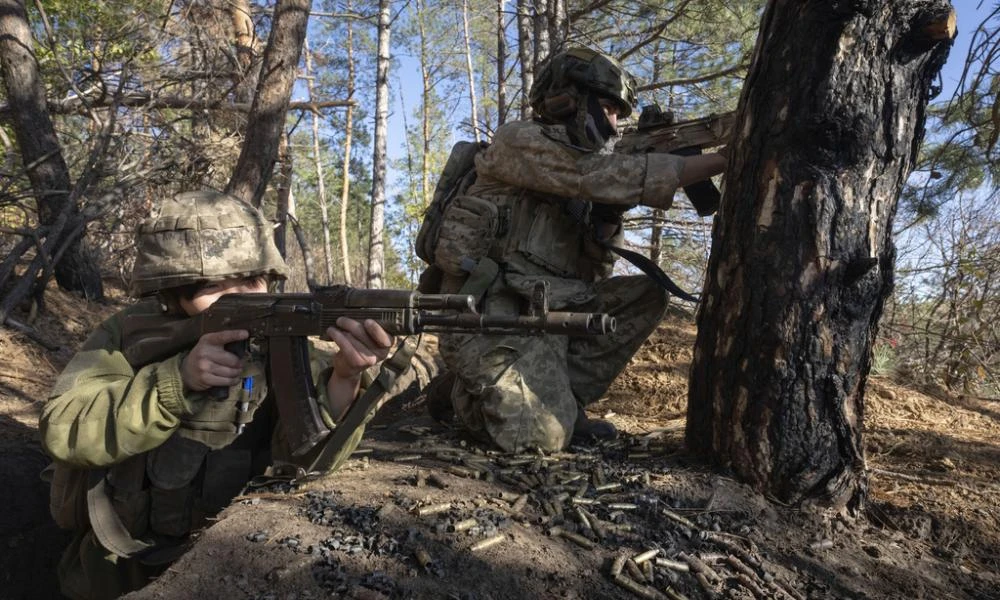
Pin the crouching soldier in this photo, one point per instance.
(144, 451)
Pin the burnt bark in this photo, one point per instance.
(832, 116)
(41, 153)
(270, 105)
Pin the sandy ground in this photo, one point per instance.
(422, 512)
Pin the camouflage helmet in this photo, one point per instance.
(569, 73)
(203, 236)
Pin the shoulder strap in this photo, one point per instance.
(365, 406)
(106, 523)
(580, 209)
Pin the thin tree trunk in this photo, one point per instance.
(524, 44)
(501, 66)
(246, 44)
(348, 130)
(318, 164)
(473, 109)
(425, 109)
(541, 27)
(270, 104)
(41, 153)
(558, 25)
(285, 204)
(802, 258)
(376, 248)
(656, 236)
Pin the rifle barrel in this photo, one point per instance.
(567, 323)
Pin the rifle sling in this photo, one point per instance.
(652, 270)
(369, 402)
(577, 208)
(104, 519)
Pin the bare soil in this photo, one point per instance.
(422, 512)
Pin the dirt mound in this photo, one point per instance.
(421, 512)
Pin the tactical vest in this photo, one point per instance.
(555, 235)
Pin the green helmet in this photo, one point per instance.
(557, 89)
(203, 236)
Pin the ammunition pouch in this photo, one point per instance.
(67, 495)
(469, 227)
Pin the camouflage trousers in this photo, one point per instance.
(524, 392)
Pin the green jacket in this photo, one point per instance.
(169, 459)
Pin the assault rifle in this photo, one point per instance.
(280, 324)
(656, 131)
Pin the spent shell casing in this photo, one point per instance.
(407, 457)
(598, 476)
(622, 506)
(645, 556)
(600, 531)
(519, 503)
(638, 589)
(674, 565)
(423, 558)
(647, 570)
(464, 525)
(577, 539)
(633, 570)
(462, 471)
(617, 565)
(435, 480)
(585, 501)
(488, 542)
(432, 509)
(608, 487)
(477, 463)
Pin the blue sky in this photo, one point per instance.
(970, 14)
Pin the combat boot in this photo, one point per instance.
(586, 429)
(438, 395)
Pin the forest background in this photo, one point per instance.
(151, 98)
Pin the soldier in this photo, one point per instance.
(144, 455)
(559, 193)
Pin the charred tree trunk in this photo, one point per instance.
(270, 105)
(833, 114)
(41, 154)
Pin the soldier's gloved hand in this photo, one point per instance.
(362, 345)
(210, 365)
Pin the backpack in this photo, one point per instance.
(457, 229)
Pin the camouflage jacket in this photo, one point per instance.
(530, 171)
